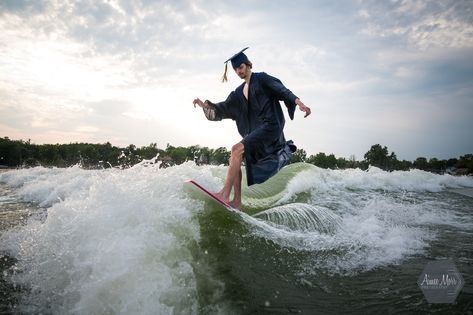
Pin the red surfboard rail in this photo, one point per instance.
(223, 203)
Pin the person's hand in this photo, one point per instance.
(302, 107)
(197, 101)
(305, 109)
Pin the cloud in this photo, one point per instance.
(422, 24)
(127, 71)
(110, 107)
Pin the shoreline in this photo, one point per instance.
(469, 194)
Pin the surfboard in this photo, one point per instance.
(197, 188)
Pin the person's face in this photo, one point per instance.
(242, 71)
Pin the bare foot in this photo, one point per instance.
(220, 196)
(235, 204)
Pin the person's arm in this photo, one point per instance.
(278, 89)
(218, 111)
(209, 109)
(284, 94)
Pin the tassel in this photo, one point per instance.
(224, 78)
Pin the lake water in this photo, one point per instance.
(318, 242)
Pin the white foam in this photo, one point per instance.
(115, 241)
(387, 216)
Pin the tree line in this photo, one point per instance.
(380, 157)
(19, 153)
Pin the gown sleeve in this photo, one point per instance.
(275, 86)
(221, 110)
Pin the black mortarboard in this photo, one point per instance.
(236, 60)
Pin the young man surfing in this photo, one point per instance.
(255, 108)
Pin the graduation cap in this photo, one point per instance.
(236, 60)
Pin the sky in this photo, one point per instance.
(397, 73)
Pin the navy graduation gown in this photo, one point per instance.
(260, 121)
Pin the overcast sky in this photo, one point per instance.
(398, 73)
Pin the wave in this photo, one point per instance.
(302, 217)
(133, 241)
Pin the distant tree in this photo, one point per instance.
(178, 155)
(404, 165)
(332, 161)
(204, 156)
(317, 159)
(342, 163)
(377, 156)
(452, 163)
(421, 163)
(149, 152)
(129, 156)
(220, 156)
(30, 162)
(352, 163)
(131, 148)
(19, 153)
(466, 162)
(322, 160)
(437, 166)
(299, 156)
(193, 153)
(10, 152)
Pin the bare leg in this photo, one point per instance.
(233, 179)
(236, 203)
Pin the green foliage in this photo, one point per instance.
(466, 161)
(323, 161)
(19, 153)
(421, 163)
(378, 156)
(299, 156)
(220, 156)
(436, 165)
(15, 153)
(403, 165)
